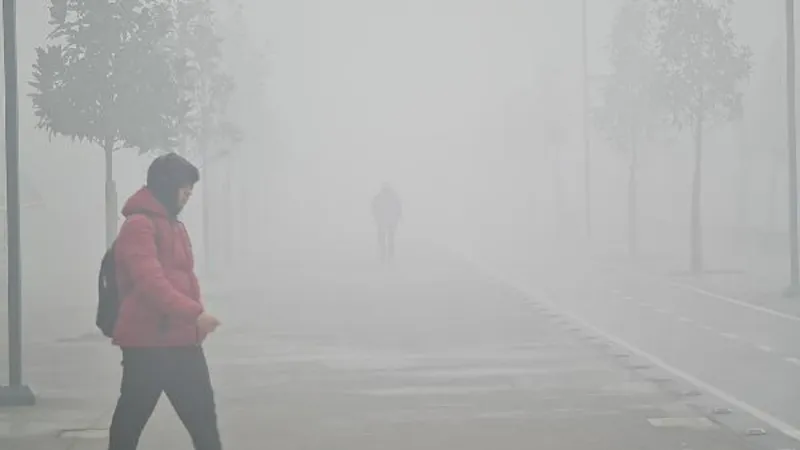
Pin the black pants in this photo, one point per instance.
(181, 373)
(386, 238)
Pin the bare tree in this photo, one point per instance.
(629, 113)
(702, 66)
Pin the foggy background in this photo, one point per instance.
(451, 102)
(473, 111)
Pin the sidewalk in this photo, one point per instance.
(753, 269)
(428, 354)
(742, 265)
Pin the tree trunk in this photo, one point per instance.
(633, 232)
(587, 156)
(207, 251)
(773, 221)
(226, 223)
(743, 178)
(697, 262)
(558, 190)
(111, 193)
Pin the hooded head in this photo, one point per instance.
(171, 179)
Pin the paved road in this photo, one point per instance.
(747, 353)
(429, 354)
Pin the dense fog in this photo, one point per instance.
(473, 111)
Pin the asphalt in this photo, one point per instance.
(345, 354)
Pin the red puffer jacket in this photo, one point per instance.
(159, 292)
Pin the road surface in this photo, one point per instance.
(743, 353)
(428, 354)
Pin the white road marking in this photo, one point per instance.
(686, 320)
(731, 336)
(792, 360)
(771, 420)
(662, 311)
(766, 348)
(696, 423)
(732, 301)
(697, 290)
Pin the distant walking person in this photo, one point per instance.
(387, 210)
(161, 322)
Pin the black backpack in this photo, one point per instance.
(108, 292)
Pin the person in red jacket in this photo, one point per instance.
(162, 322)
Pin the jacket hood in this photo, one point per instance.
(143, 201)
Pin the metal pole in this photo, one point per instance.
(12, 195)
(15, 393)
(586, 150)
(794, 287)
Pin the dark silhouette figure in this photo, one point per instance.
(387, 210)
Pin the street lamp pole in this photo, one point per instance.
(16, 393)
(791, 125)
(587, 174)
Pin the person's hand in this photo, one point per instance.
(207, 323)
